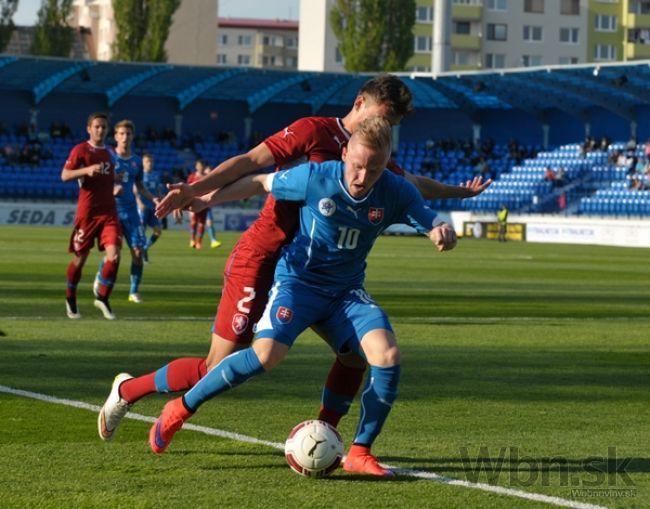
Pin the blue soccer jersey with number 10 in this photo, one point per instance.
(336, 230)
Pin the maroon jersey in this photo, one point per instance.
(96, 192)
(315, 139)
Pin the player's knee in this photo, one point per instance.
(269, 352)
(389, 357)
(219, 349)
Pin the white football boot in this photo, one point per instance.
(114, 409)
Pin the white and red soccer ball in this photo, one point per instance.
(314, 449)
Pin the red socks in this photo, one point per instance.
(73, 277)
(178, 375)
(340, 388)
(109, 274)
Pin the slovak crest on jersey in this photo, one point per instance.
(375, 215)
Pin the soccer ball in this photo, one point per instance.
(314, 449)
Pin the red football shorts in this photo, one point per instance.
(248, 277)
(106, 229)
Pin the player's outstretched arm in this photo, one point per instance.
(181, 195)
(431, 189)
(88, 171)
(443, 237)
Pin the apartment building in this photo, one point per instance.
(192, 36)
(258, 43)
(495, 34)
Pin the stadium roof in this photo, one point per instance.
(575, 90)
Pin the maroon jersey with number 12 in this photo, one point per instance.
(96, 192)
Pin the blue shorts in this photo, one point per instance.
(343, 319)
(148, 218)
(132, 229)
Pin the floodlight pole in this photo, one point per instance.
(441, 51)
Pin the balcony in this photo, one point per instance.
(637, 51)
(467, 42)
(638, 20)
(467, 12)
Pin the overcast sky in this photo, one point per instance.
(280, 9)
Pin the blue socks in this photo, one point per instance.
(230, 372)
(376, 402)
(136, 276)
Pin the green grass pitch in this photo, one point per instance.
(525, 366)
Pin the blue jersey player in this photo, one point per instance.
(319, 280)
(128, 179)
(146, 206)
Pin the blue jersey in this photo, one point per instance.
(152, 183)
(128, 171)
(336, 230)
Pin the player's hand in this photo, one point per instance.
(178, 197)
(443, 237)
(118, 189)
(476, 186)
(198, 204)
(93, 169)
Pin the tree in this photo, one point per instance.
(7, 11)
(142, 29)
(374, 35)
(53, 36)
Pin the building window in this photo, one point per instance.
(497, 32)
(244, 59)
(223, 40)
(291, 42)
(495, 61)
(604, 52)
(603, 23)
(531, 60)
(462, 57)
(639, 7)
(292, 62)
(424, 14)
(423, 44)
(569, 35)
(570, 7)
(568, 60)
(462, 27)
(222, 59)
(272, 40)
(245, 40)
(497, 5)
(338, 56)
(535, 6)
(532, 33)
(467, 2)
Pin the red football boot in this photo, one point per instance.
(171, 419)
(360, 461)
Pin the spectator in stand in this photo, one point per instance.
(561, 177)
(630, 147)
(604, 144)
(549, 175)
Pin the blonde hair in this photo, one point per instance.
(125, 123)
(374, 132)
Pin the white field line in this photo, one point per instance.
(429, 476)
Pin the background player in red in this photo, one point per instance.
(91, 164)
(249, 270)
(197, 219)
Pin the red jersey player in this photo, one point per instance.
(197, 219)
(91, 164)
(249, 270)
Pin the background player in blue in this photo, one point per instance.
(147, 207)
(128, 178)
(319, 280)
